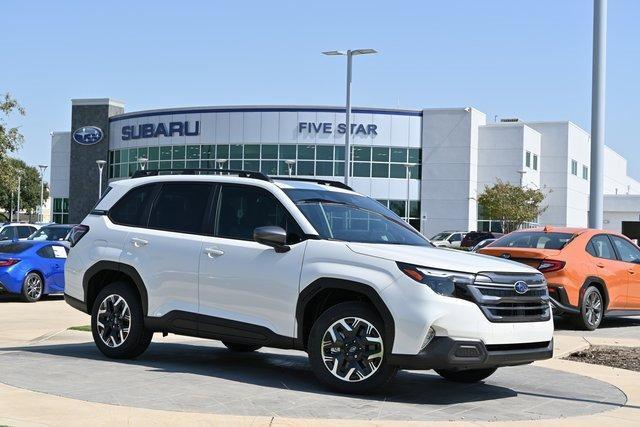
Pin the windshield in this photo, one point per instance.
(440, 236)
(49, 233)
(353, 218)
(534, 240)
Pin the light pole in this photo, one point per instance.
(347, 135)
(11, 213)
(290, 164)
(100, 164)
(18, 207)
(220, 164)
(522, 172)
(407, 208)
(597, 112)
(42, 169)
(142, 161)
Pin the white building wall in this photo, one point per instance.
(60, 164)
(616, 180)
(619, 208)
(501, 154)
(579, 149)
(449, 168)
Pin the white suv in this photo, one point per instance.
(302, 265)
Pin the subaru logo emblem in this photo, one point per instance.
(88, 135)
(521, 287)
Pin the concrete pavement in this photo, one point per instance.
(35, 334)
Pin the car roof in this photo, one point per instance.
(282, 183)
(58, 226)
(570, 230)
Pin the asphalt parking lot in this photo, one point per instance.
(191, 375)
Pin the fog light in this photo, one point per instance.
(430, 334)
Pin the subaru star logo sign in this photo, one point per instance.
(88, 135)
(521, 287)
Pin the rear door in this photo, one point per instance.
(8, 233)
(610, 269)
(24, 231)
(629, 254)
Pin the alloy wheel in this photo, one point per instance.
(593, 308)
(352, 349)
(34, 286)
(114, 320)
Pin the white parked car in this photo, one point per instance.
(16, 231)
(448, 239)
(260, 262)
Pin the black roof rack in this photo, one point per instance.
(240, 173)
(336, 184)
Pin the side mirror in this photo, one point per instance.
(273, 236)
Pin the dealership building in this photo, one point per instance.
(437, 159)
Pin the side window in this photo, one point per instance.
(24, 232)
(53, 251)
(600, 247)
(130, 208)
(6, 233)
(627, 251)
(455, 238)
(242, 209)
(180, 207)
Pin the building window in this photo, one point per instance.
(535, 162)
(399, 208)
(574, 167)
(585, 172)
(319, 159)
(60, 213)
(527, 159)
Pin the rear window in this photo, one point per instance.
(14, 248)
(534, 240)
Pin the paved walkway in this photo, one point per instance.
(58, 377)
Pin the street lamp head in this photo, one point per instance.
(101, 162)
(334, 53)
(409, 165)
(353, 52)
(290, 162)
(43, 167)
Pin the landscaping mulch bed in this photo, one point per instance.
(616, 357)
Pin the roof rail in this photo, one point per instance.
(240, 173)
(336, 184)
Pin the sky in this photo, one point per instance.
(526, 59)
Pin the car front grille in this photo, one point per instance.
(496, 295)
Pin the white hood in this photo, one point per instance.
(440, 258)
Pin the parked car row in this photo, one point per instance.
(461, 239)
(32, 265)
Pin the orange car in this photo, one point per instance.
(590, 273)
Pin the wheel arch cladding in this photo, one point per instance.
(600, 285)
(325, 293)
(103, 273)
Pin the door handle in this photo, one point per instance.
(213, 252)
(600, 265)
(137, 242)
(631, 271)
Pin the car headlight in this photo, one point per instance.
(442, 282)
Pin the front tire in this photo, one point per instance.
(117, 322)
(347, 349)
(32, 287)
(467, 375)
(241, 348)
(591, 310)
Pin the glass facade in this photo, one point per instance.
(311, 159)
(60, 212)
(399, 207)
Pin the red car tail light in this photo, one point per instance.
(8, 262)
(549, 265)
(77, 233)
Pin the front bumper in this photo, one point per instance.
(461, 354)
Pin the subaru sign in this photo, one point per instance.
(154, 130)
(88, 135)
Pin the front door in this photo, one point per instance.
(607, 267)
(629, 254)
(245, 281)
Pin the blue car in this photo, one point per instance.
(32, 269)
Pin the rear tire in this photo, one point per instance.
(32, 287)
(591, 310)
(466, 376)
(117, 322)
(348, 350)
(241, 348)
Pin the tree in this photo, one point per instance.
(29, 186)
(10, 137)
(512, 205)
